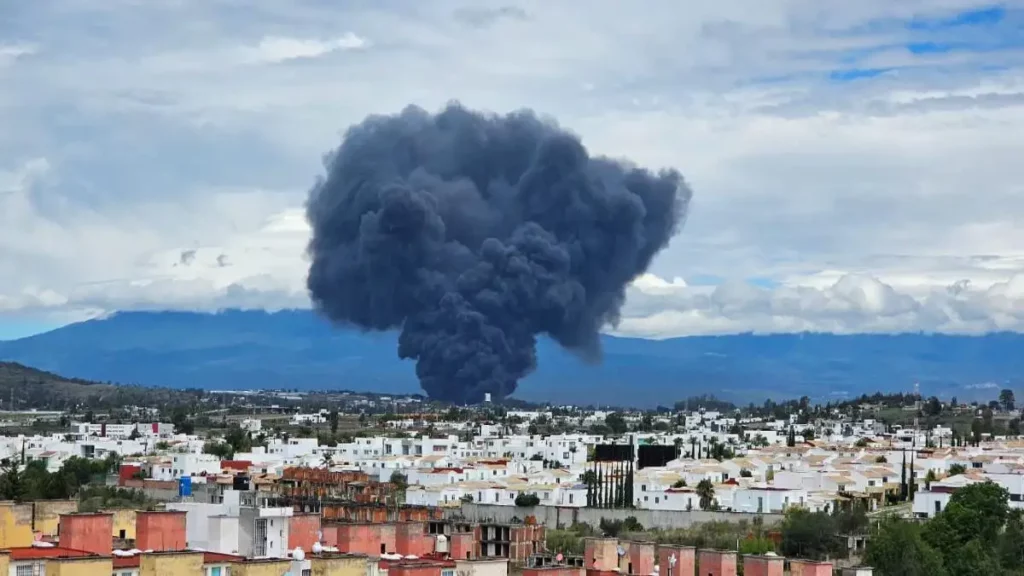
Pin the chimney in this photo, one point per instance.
(87, 532)
(160, 531)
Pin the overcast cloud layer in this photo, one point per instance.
(857, 166)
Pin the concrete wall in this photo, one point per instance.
(79, 567)
(46, 515)
(223, 535)
(552, 516)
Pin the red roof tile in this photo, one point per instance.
(35, 552)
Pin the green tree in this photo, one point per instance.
(223, 450)
(238, 439)
(898, 549)
(1006, 400)
(333, 418)
(811, 535)
(955, 469)
(11, 485)
(1011, 543)
(527, 500)
(706, 494)
(970, 525)
(400, 482)
(616, 423)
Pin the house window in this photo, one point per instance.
(25, 570)
(215, 571)
(307, 572)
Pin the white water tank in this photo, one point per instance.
(441, 544)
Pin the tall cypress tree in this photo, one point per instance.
(903, 477)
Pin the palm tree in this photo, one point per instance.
(328, 460)
(706, 493)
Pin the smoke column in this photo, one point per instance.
(473, 234)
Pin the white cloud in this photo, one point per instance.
(11, 52)
(852, 304)
(275, 49)
(193, 125)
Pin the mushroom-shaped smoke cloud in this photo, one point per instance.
(473, 234)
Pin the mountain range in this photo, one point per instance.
(295, 349)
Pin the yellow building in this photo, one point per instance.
(46, 515)
(15, 525)
(172, 564)
(268, 567)
(84, 566)
(339, 565)
(124, 523)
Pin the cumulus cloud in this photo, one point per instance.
(856, 167)
(852, 304)
(275, 49)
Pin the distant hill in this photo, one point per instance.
(36, 388)
(296, 349)
(42, 390)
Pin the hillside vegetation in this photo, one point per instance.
(33, 388)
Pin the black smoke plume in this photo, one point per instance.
(473, 234)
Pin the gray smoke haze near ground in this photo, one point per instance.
(474, 233)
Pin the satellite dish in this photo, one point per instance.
(672, 560)
(298, 555)
(317, 548)
(559, 557)
(621, 551)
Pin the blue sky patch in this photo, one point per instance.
(979, 17)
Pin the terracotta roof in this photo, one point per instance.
(34, 552)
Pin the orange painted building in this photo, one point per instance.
(87, 532)
(462, 545)
(411, 538)
(418, 567)
(685, 560)
(809, 568)
(763, 566)
(160, 531)
(302, 531)
(369, 539)
(639, 559)
(717, 562)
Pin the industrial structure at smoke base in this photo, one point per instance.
(473, 234)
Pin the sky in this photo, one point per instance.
(856, 166)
